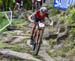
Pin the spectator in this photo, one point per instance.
(18, 4)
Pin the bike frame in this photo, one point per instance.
(39, 30)
(38, 35)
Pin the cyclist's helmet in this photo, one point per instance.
(43, 9)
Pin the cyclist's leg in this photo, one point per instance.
(42, 31)
(43, 20)
(34, 26)
(37, 36)
(33, 30)
(38, 32)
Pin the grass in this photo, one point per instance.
(20, 49)
(66, 50)
(51, 53)
(3, 22)
(3, 45)
(16, 22)
(52, 42)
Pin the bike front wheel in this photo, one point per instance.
(38, 45)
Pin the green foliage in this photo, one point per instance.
(10, 3)
(52, 42)
(0, 2)
(71, 17)
(73, 14)
(53, 11)
(2, 45)
(27, 4)
(68, 15)
(67, 49)
(51, 53)
(72, 31)
(3, 21)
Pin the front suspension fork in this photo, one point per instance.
(37, 35)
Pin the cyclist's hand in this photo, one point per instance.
(31, 20)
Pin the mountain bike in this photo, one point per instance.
(37, 37)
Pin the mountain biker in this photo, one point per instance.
(36, 4)
(17, 4)
(38, 15)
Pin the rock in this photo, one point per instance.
(18, 32)
(11, 27)
(71, 26)
(59, 58)
(49, 35)
(58, 46)
(14, 54)
(45, 42)
(17, 39)
(4, 34)
(13, 39)
(45, 56)
(6, 39)
(62, 36)
(28, 43)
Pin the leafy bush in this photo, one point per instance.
(53, 11)
(72, 31)
(27, 4)
(71, 17)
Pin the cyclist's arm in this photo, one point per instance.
(30, 17)
(51, 22)
(49, 19)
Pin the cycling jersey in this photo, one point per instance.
(39, 17)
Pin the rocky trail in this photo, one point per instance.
(17, 42)
(22, 38)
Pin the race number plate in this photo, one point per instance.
(41, 25)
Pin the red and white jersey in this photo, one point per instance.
(41, 16)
